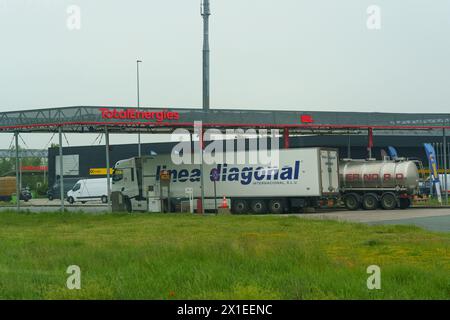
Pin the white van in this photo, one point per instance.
(89, 190)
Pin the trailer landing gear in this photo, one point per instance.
(405, 203)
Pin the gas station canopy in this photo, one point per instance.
(88, 119)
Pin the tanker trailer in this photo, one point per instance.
(371, 184)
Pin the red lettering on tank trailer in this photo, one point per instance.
(352, 177)
(371, 177)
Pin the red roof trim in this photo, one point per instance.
(225, 125)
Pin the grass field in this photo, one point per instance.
(216, 257)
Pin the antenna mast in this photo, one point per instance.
(205, 12)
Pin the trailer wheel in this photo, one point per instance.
(259, 206)
(277, 206)
(405, 203)
(351, 201)
(240, 206)
(370, 201)
(388, 201)
(104, 199)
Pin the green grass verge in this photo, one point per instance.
(216, 257)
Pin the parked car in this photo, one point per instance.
(426, 186)
(89, 190)
(55, 191)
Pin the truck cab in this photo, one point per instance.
(127, 185)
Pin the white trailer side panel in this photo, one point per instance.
(298, 174)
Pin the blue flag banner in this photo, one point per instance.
(431, 155)
(392, 152)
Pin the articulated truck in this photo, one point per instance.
(300, 178)
(303, 177)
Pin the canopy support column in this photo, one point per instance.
(286, 138)
(108, 175)
(61, 169)
(202, 167)
(444, 151)
(16, 137)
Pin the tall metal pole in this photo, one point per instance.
(349, 150)
(138, 105)
(444, 147)
(61, 168)
(205, 12)
(108, 175)
(16, 136)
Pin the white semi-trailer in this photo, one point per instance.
(301, 178)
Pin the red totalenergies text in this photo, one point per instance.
(159, 116)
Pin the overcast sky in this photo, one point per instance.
(265, 54)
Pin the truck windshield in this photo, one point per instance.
(76, 187)
(117, 175)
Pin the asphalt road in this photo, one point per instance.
(45, 205)
(435, 219)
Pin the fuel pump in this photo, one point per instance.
(164, 178)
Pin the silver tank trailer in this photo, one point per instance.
(373, 175)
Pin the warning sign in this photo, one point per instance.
(99, 171)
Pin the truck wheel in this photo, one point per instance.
(70, 200)
(276, 206)
(258, 206)
(240, 206)
(351, 202)
(50, 197)
(405, 203)
(370, 201)
(104, 199)
(388, 201)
